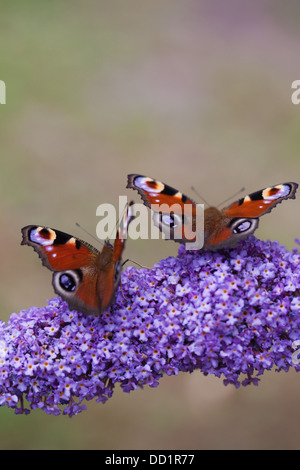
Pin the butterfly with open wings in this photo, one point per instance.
(222, 228)
(86, 278)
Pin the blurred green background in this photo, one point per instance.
(191, 92)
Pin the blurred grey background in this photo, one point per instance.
(190, 92)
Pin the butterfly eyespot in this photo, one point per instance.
(42, 236)
(67, 282)
(171, 220)
(243, 225)
(168, 220)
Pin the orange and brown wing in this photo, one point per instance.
(58, 251)
(174, 212)
(261, 202)
(155, 193)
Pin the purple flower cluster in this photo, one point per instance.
(233, 313)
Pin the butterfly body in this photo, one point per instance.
(83, 276)
(214, 224)
(222, 228)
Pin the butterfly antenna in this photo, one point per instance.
(135, 262)
(234, 195)
(131, 260)
(199, 195)
(122, 291)
(88, 233)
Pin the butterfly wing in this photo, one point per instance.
(73, 262)
(153, 192)
(83, 276)
(261, 202)
(111, 263)
(173, 212)
(241, 218)
(121, 236)
(58, 251)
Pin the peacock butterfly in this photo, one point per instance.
(222, 228)
(86, 278)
